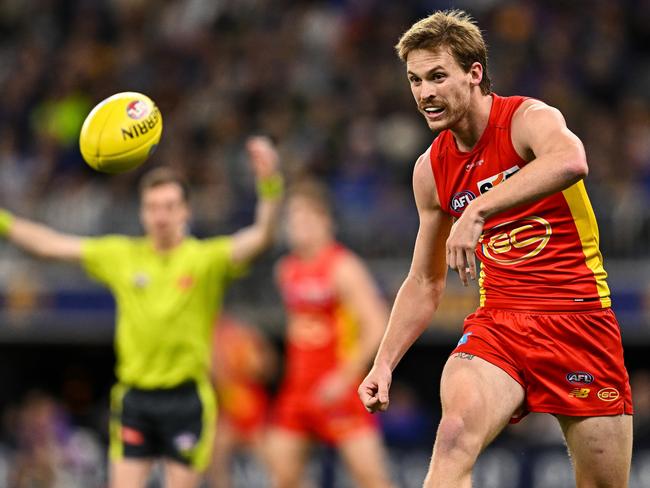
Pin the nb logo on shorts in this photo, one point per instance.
(516, 241)
(608, 394)
(580, 392)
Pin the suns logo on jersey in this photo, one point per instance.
(492, 181)
(516, 241)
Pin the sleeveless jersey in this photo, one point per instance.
(320, 333)
(539, 256)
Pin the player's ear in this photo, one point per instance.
(476, 73)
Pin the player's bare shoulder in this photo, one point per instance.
(533, 112)
(347, 267)
(534, 120)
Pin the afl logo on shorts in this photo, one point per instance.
(137, 109)
(579, 377)
(461, 200)
(608, 394)
(516, 241)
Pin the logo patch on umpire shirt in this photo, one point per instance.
(141, 279)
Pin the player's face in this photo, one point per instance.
(307, 225)
(441, 88)
(164, 212)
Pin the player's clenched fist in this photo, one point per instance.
(373, 390)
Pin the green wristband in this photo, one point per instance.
(6, 219)
(271, 188)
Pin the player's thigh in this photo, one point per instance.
(258, 447)
(224, 445)
(478, 398)
(129, 473)
(286, 454)
(179, 475)
(365, 457)
(224, 440)
(601, 449)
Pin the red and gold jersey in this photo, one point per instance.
(539, 256)
(320, 332)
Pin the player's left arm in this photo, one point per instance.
(252, 240)
(556, 161)
(359, 295)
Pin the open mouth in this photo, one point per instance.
(433, 111)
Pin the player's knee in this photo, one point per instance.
(285, 477)
(600, 472)
(372, 477)
(453, 438)
(285, 482)
(602, 480)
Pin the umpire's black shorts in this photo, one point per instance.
(176, 423)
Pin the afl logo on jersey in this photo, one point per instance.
(516, 241)
(492, 181)
(461, 200)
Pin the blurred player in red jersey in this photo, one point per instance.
(503, 181)
(335, 321)
(244, 362)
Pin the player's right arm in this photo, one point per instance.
(40, 240)
(419, 295)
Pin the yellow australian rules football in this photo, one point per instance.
(121, 132)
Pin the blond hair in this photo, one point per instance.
(453, 29)
(315, 192)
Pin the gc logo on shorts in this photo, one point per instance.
(608, 394)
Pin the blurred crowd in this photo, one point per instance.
(321, 78)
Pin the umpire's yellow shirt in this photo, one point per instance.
(166, 304)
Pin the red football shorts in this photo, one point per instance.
(332, 423)
(244, 408)
(568, 363)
